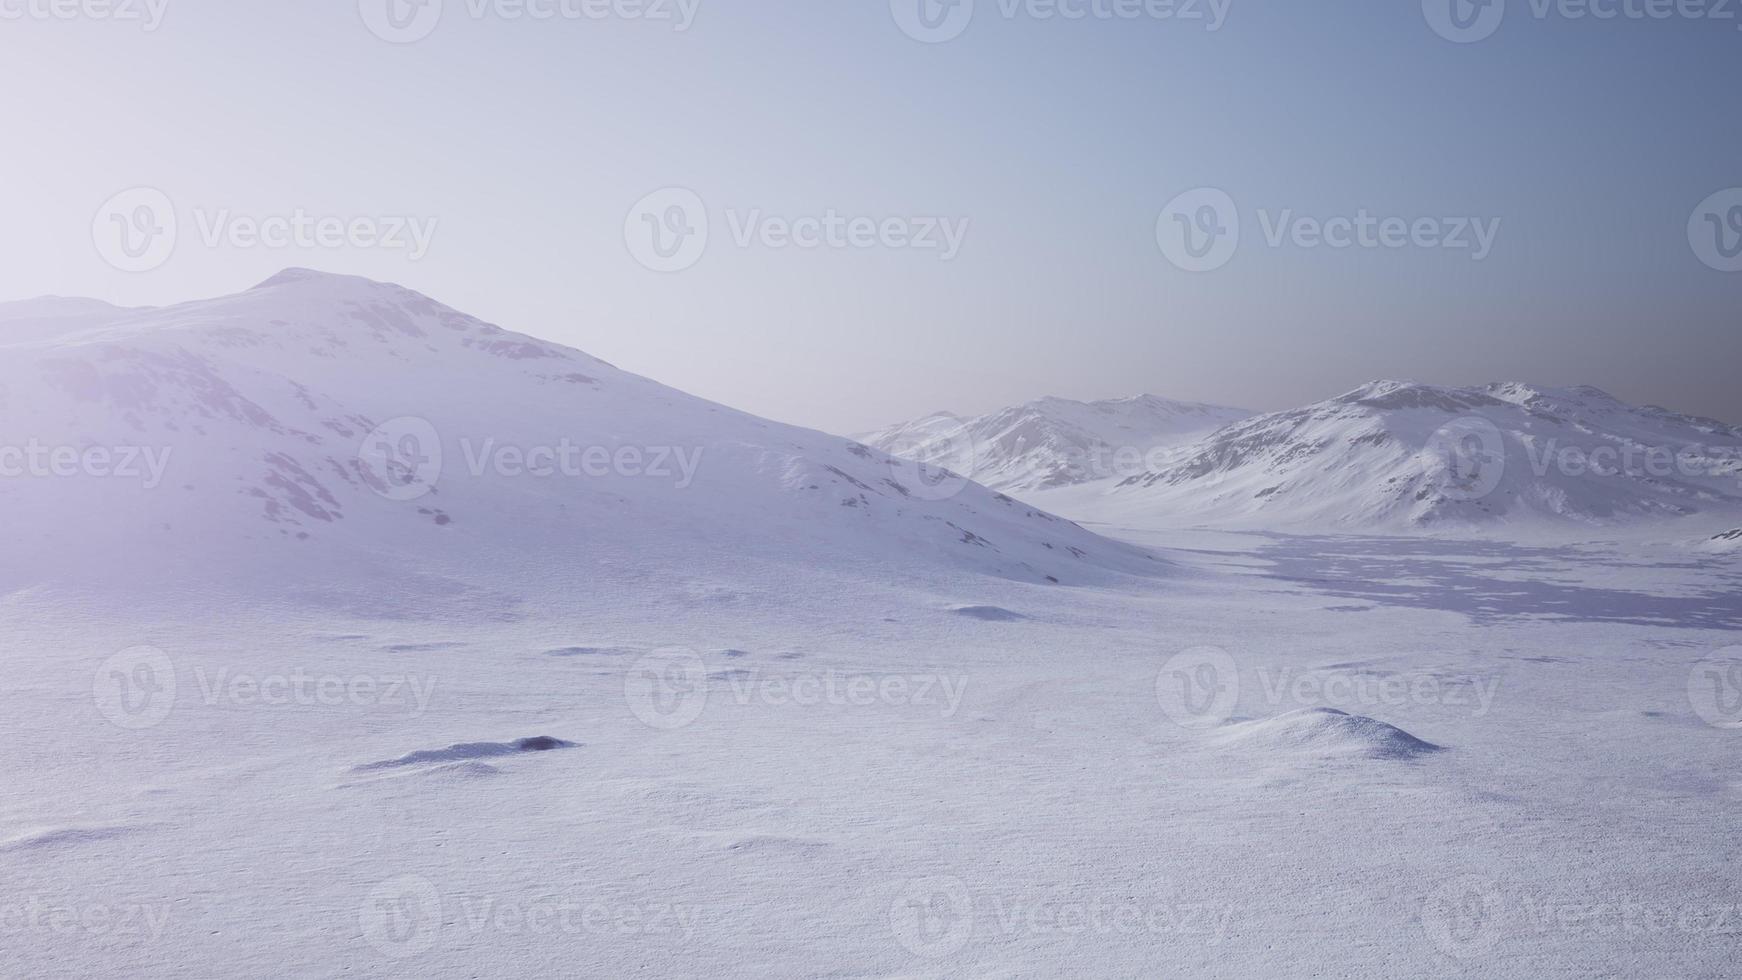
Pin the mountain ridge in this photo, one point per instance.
(1051, 441)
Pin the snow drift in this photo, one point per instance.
(1324, 733)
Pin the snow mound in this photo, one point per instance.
(585, 651)
(990, 614)
(51, 837)
(1327, 733)
(469, 751)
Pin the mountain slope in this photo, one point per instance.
(321, 428)
(1401, 454)
(1053, 442)
(1725, 541)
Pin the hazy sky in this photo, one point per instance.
(1063, 144)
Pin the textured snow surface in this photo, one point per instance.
(973, 796)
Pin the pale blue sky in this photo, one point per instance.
(1059, 142)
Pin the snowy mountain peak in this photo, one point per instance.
(297, 277)
(1410, 394)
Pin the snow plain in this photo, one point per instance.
(821, 776)
(1271, 753)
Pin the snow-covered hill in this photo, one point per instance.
(325, 429)
(1054, 442)
(1397, 454)
(52, 316)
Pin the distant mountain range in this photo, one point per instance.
(1388, 455)
(1054, 442)
(1401, 454)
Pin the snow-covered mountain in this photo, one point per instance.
(1054, 442)
(320, 428)
(1393, 454)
